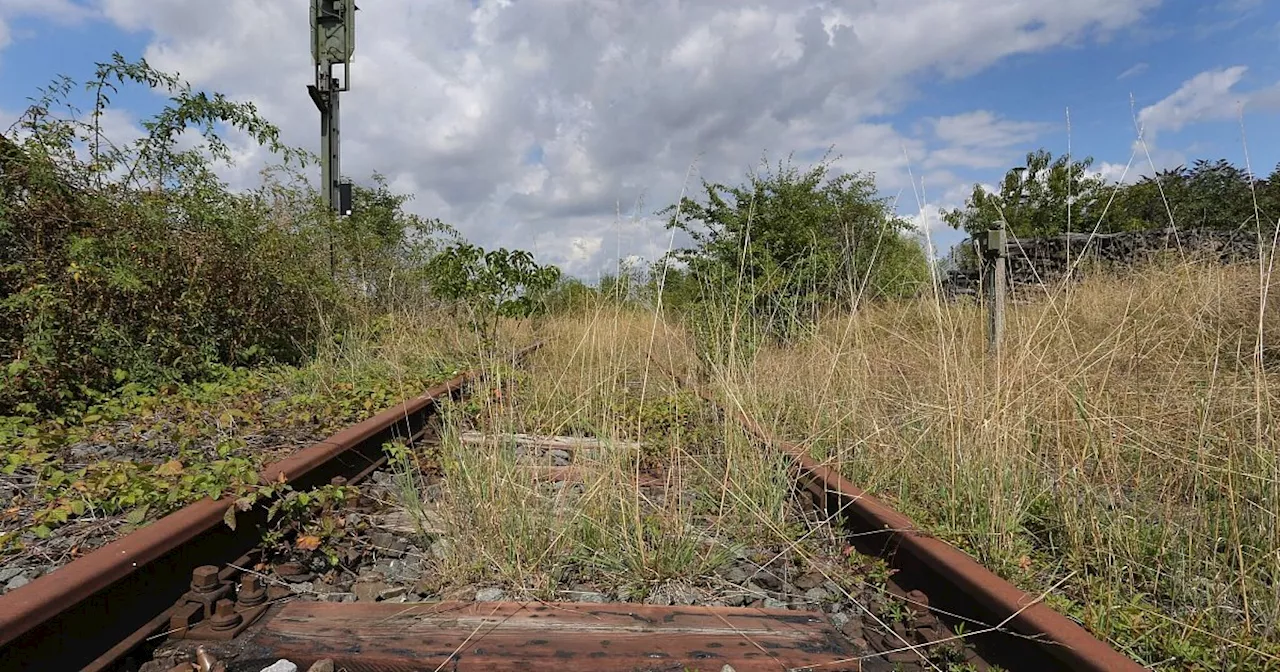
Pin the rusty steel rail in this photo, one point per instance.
(77, 616)
(1031, 635)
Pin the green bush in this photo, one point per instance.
(136, 262)
(770, 256)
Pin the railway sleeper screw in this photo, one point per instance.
(207, 588)
(252, 592)
(224, 616)
(204, 579)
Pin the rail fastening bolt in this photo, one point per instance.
(224, 616)
(204, 579)
(251, 592)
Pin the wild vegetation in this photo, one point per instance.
(1047, 196)
(1121, 454)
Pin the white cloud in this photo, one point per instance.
(1134, 71)
(583, 249)
(984, 128)
(980, 139)
(63, 11)
(1115, 172)
(1208, 95)
(620, 97)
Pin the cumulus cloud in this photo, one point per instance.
(1208, 95)
(1212, 95)
(980, 139)
(536, 123)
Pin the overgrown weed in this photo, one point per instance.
(148, 450)
(1126, 440)
(670, 494)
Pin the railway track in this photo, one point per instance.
(186, 586)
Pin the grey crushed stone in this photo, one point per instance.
(7, 573)
(442, 548)
(684, 596)
(17, 582)
(810, 580)
(816, 595)
(392, 592)
(281, 665)
(399, 571)
(368, 591)
(382, 540)
(768, 580)
(489, 595)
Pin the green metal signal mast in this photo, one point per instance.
(333, 41)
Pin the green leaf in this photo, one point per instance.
(136, 516)
(41, 531)
(230, 517)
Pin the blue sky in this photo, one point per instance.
(562, 127)
(1096, 81)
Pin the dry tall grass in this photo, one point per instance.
(1127, 440)
(670, 496)
(1124, 447)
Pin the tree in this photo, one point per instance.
(1209, 194)
(379, 246)
(134, 261)
(1033, 199)
(788, 243)
(491, 285)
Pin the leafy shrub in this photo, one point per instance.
(769, 256)
(490, 285)
(136, 261)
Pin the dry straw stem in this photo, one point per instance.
(591, 379)
(1127, 440)
(1128, 436)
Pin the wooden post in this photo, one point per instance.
(994, 251)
